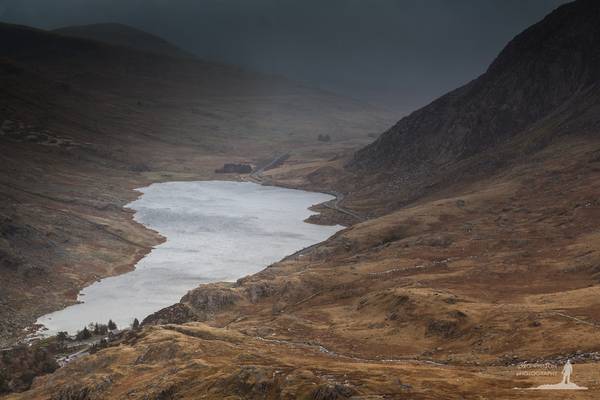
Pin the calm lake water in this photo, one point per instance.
(215, 231)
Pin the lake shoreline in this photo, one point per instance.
(283, 256)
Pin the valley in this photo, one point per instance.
(63, 202)
(468, 267)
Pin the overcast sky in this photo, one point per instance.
(398, 53)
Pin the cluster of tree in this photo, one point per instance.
(87, 332)
(96, 329)
(62, 336)
(83, 334)
(102, 344)
(324, 138)
(19, 365)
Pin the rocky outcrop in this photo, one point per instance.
(208, 299)
(255, 291)
(332, 392)
(252, 383)
(176, 314)
(75, 393)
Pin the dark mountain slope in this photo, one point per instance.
(82, 60)
(545, 80)
(123, 35)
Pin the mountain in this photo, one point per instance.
(124, 35)
(544, 84)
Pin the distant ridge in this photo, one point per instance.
(124, 35)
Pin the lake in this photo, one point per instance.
(214, 230)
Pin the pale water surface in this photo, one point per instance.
(215, 231)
